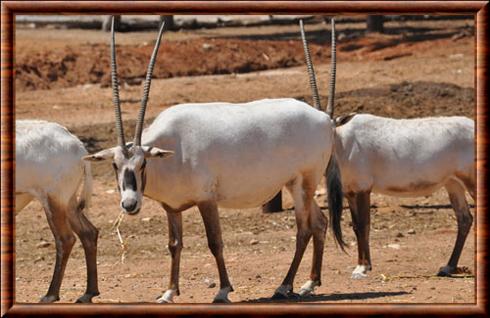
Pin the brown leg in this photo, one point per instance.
(471, 187)
(469, 181)
(209, 213)
(64, 240)
(359, 204)
(303, 236)
(464, 218)
(318, 226)
(88, 235)
(175, 245)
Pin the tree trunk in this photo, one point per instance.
(274, 205)
(375, 24)
(106, 24)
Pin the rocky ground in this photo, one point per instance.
(417, 69)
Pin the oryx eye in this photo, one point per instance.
(114, 166)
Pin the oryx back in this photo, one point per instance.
(239, 154)
(405, 157)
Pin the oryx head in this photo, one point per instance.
(129, 160)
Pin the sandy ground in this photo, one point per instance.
(415, 70)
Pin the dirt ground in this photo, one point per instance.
(417, 69)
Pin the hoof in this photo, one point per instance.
(358, 276)
(305, 292)
(446, 271)
(309, 288)
(221, 301)
(86, 298)
(167, 297)
(164, 301)
(360, 272)
(49, 299)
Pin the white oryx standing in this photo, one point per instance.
(228, 155)
(49, 168)
(404, 158)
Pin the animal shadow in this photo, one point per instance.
(329, 297)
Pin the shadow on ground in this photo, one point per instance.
(430, 206)
(329, 297)
(406, 34)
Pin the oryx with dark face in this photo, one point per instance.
(404, 158)
(232, 156)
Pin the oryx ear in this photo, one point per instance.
(101, 155)
(154, 152)
(342, 120)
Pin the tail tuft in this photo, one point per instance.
(86, 195)
(335, 198)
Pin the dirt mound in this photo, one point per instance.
(47, 68)
(409, 99)
(89, 64)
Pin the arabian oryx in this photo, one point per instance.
(404, 158)
(232, 156)
(49, 167)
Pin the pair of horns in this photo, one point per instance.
(146, 91)
(311, 71)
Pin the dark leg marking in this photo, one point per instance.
(361, 222)
(465, 220)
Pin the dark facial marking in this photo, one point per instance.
(143, 176)
(114, 166)
(129, 180)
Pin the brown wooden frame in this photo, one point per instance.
(10, 8)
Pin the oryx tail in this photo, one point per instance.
(335, 197)
(86, 194)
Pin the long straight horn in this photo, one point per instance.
(309, 66)
(146, 89)
(115, 92)
(333, 70)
